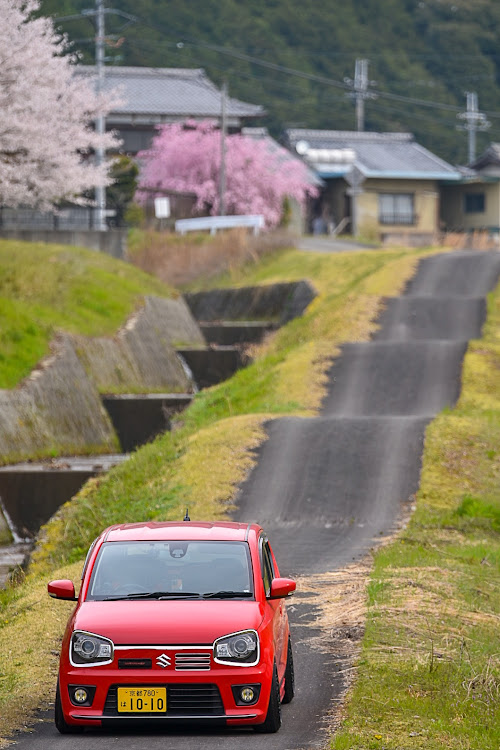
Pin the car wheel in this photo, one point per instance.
(273, 718)
(289, 675)
(59, 720)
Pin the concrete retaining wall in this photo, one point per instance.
(58, 408)
(277, 302)
(142, 356)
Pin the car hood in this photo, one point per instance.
(167, 622)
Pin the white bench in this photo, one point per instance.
(213, 223)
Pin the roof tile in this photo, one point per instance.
(396, 154)
(176, 92)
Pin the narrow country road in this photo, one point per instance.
(327, 488)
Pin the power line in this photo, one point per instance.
(301, 74)
(283, 86)
(314, 78)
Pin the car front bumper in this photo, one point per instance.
(205, 697)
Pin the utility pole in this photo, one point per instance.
(474, 121)
(360, 91)
(223, 133)
(100, 124)
(100, 192)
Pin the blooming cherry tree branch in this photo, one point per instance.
(186, 157)
(46, 133)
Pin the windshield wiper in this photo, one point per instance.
(155, 595)
(226, 594)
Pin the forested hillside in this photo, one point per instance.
(424, 55)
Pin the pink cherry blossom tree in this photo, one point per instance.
(260, 174)
(46, 113)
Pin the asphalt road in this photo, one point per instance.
(327, 488)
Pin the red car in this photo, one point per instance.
(178, 622)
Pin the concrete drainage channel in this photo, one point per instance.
(139, 418)
(221, 324)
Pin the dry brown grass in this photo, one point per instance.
(430, 624)
(178, 260)
(339, 601)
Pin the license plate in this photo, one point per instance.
(142, 700)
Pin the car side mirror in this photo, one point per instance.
(282, 587)
(62, 590)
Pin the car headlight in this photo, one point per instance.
(239, 649)
(88, 650)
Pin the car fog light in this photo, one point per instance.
(80, 695)
(247, 694)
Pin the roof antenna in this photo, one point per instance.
(186, 517)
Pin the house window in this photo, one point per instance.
(474, 203)
(396, 208)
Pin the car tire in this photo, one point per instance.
(59, 720)
(273, 717)
(289, 675)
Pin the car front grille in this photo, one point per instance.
(188, 662)
(182, 700)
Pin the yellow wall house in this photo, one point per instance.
(376, 185)
(474, 204)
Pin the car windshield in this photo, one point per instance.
(171, 570)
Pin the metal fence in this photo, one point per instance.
(74, 218)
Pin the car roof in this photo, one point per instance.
(185, 530)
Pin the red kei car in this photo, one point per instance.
(177, 622)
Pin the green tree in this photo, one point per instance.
(124, 173)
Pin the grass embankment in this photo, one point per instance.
(429, 674)
(201, 462)
(46, 288)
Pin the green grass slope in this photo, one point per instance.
(45, 288)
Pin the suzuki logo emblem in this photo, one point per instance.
(163, 661)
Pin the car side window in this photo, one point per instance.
(267, 566)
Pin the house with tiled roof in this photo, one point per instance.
(284, 158)
(474, 204)
(153, 96)
(380, 185)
